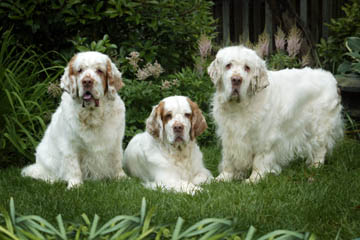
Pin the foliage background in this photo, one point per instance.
(39, 37)
(331, 51)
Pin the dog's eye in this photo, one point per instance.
(188, 115)
(168, 116)
(247, 68)
(99, 71)
(80, 70)
(228, 66)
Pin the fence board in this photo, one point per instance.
(226, 21)
(245, 36)
(237, 20)
(269, 26)
(303, 11)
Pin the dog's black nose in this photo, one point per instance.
(87, 83)
(236, 80)
(178, 127)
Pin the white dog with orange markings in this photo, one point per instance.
(84, 138)
(166, 155)
(267, 118)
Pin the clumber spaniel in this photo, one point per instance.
(84, 138)
(166, 154)
(267, 118)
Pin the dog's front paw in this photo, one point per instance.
(192, 189)
(224, 177)
(122, 175)
(73, 183)
(202, 178)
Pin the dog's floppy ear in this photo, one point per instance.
(198, 122)
(154, 124)
(260, 79)
(113, 79)
(68, 79)
(214, 71)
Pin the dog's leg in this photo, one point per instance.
(202, 177)
(171, 180)
(226, 169)
(263, 164)
(318, 158)
(37, 171)
(225, 176)
(178, 186)
(72, 171)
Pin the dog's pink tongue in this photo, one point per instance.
(87, 96)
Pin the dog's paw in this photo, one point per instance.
(73, 183)
(224, 177)
(122, 175)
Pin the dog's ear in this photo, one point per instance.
(68, 80)
(154, 124)
(113, 79)
(214, 71)
(260, 79)
(198, 122)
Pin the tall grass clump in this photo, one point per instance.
(25, 105)
(15, 226)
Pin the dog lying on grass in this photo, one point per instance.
(166, 155)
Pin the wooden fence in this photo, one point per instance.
(242, 20)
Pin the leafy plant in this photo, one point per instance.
(281, 60)
(14, 226)
(104, 45)
(26, 107)
(331, 50)
(149, 27)
(353, 46)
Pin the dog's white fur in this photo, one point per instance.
(271, 117)
(84, 138)
(166, 158)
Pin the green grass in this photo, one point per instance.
(323, 201)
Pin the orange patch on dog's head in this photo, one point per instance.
(152, 123)
(198, 122)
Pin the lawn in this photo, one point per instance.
(323, 201)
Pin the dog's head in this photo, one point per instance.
(176, 120)
(238, 73)
(91, 76)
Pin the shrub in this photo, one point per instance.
(331, 50)
(352, 64)
(166, 30)
(25, 106)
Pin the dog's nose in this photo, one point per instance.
(236, 80)
(178, 127)
(87, 83)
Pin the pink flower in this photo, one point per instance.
(294, 41)
(262, 47)
(205, 46)
(280, 40)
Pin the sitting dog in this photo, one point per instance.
(267, 118)
(84, 138)
(166, 154)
